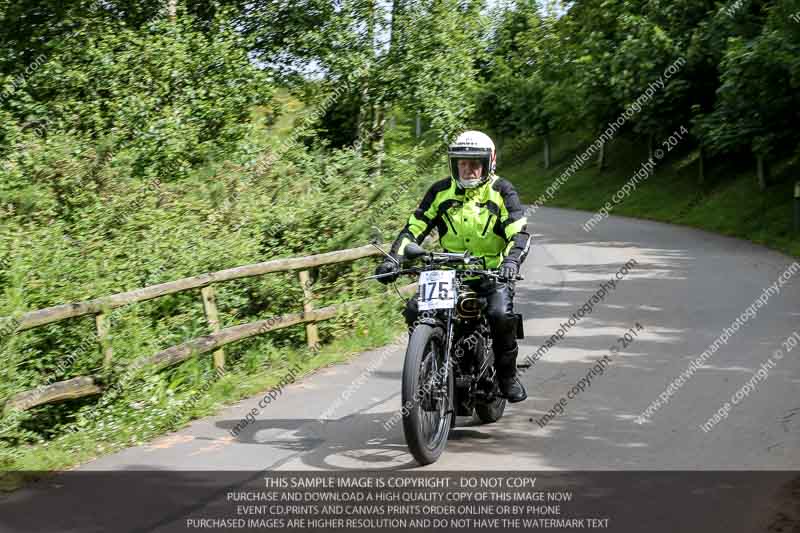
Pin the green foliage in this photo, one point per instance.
(735, 83)
(432, 68)
(532, 87)
(159, 99)
(137, 148)
(728, 203)
(757, 97)
(143, 156)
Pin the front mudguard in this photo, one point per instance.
(431, 321)
(430, 318)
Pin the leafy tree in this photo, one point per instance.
(166, 96)
(757, 100)
(525, 94)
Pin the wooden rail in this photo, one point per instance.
(81, 386)
(90, 307)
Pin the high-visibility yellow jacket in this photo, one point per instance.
(488, 221)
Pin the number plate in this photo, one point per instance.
(437, 289)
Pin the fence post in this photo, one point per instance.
(101, 322)
(797, 206)
(212, 316)
(312, 337)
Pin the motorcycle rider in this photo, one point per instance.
(475, 210)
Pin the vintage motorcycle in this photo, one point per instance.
(449, 362)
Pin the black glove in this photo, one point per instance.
(509, 269)
(386, 267)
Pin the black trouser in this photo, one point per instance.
(501, 317)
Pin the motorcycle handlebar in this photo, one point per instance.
(414, 251)
(490, 273)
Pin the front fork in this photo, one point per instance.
(448, 344)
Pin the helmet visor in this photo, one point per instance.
(469, 170)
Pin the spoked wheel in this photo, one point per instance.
(428, 413)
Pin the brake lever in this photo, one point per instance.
(379, 276)
(395, 261)
(518, 277)
(395, 273)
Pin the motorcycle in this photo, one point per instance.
(449, 362)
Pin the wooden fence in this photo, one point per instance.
(100, 308)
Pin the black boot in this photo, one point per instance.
(512, 389)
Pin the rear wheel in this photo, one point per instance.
(428, 414)
(490, 412)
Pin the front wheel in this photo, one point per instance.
(426, 404)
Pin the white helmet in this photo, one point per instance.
(472, 145)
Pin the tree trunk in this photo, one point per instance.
(762, 179)
(172, 9)
(601, 157)
(377, 136)
(546, 151)
(418, 126)
(365, 118)
(701, 171)
(797, 206)
(650, 146)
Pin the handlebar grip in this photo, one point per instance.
(518, 277)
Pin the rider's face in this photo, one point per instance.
(469, 168)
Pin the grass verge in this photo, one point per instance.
(378, 324)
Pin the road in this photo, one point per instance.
(685, 288)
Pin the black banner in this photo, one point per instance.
(160, 501)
